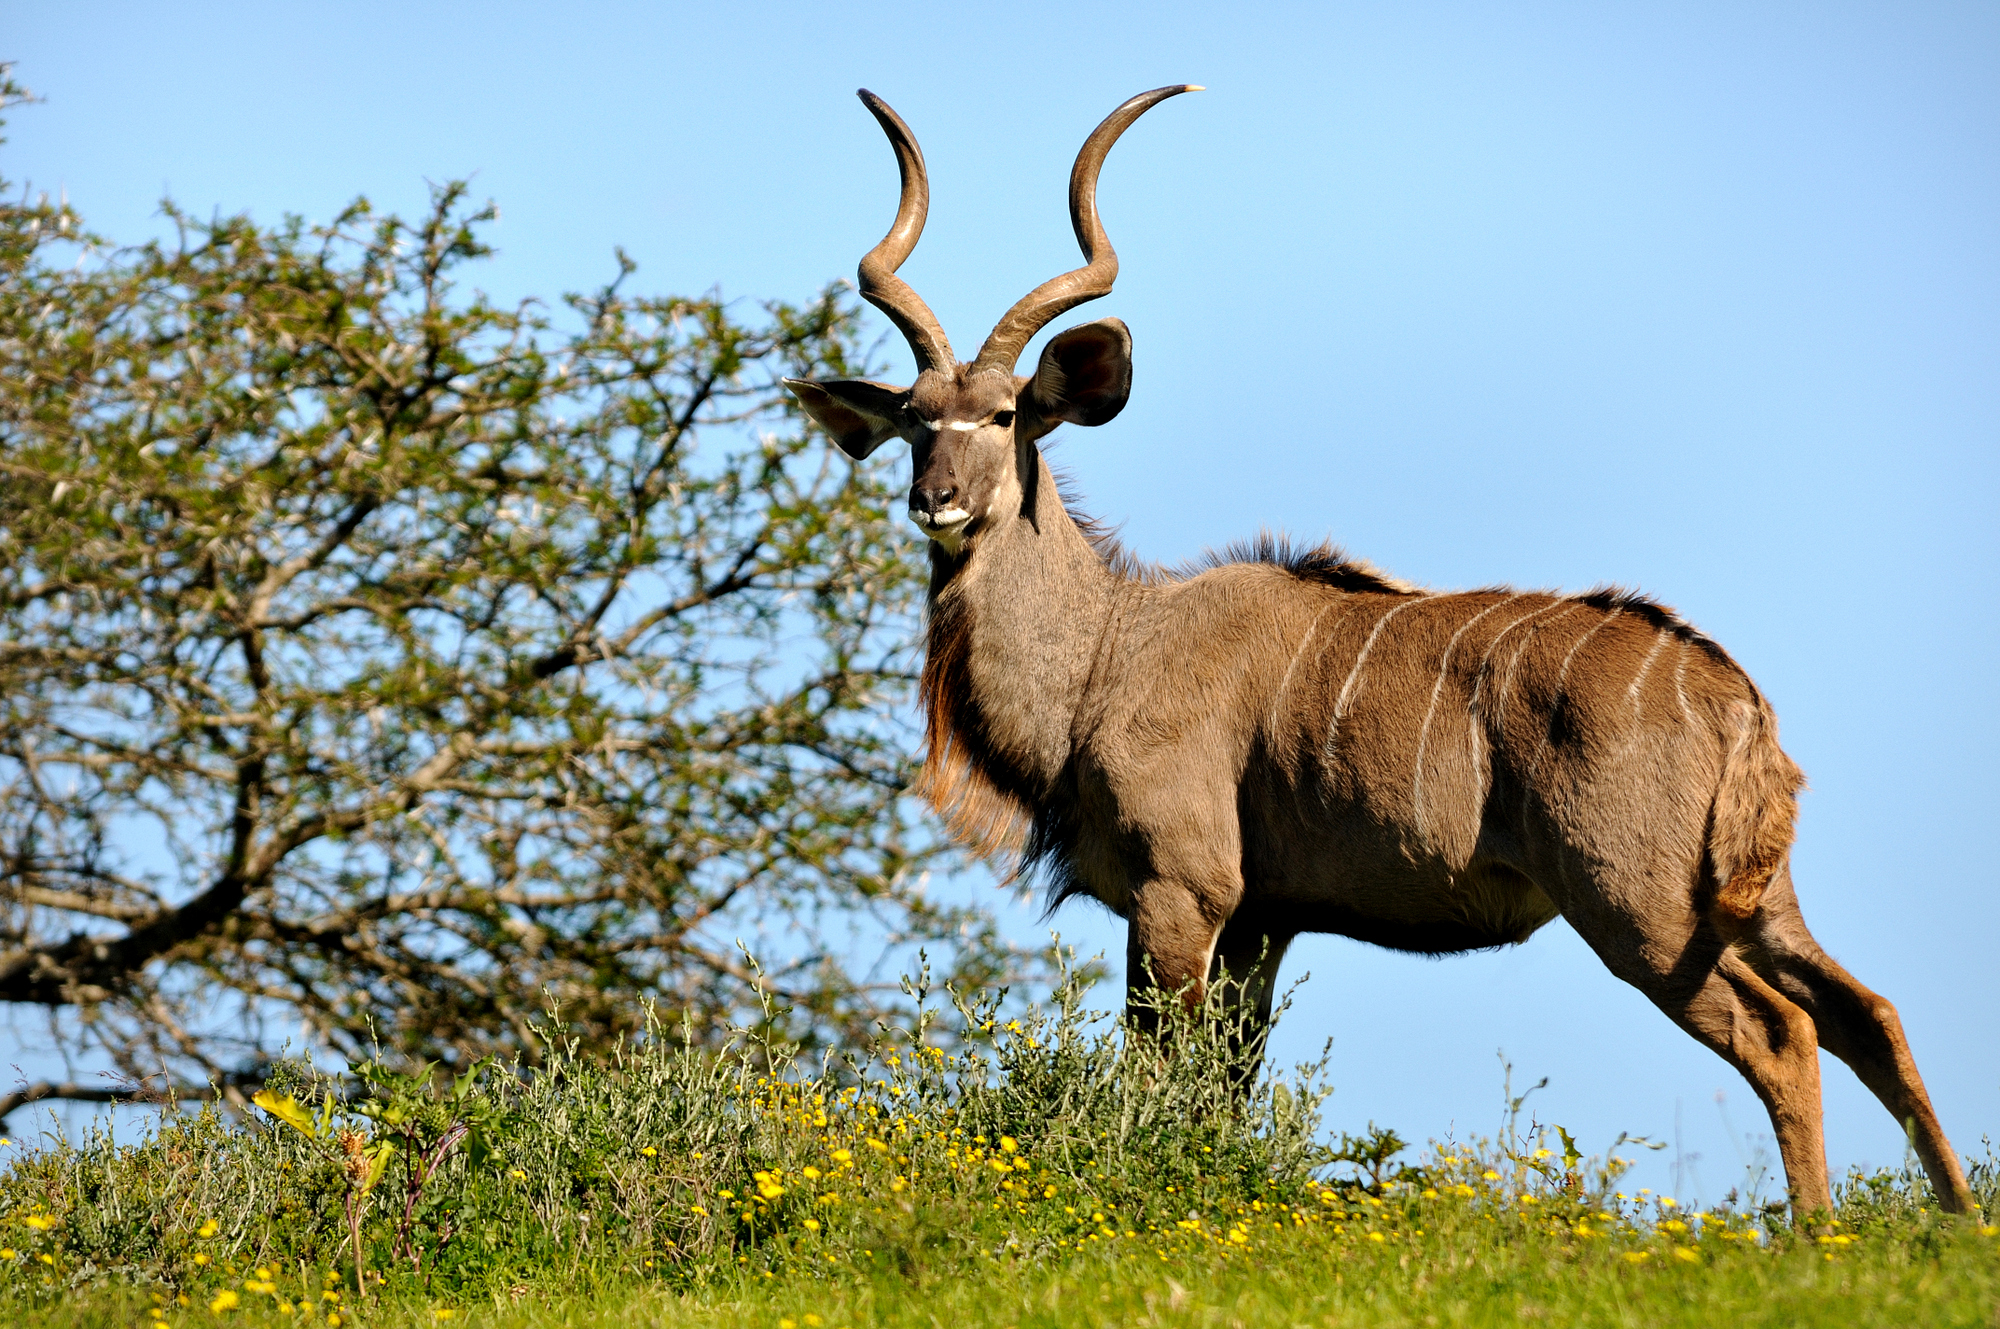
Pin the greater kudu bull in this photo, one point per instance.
(1286, 742)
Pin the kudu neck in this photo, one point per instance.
(1023, 614)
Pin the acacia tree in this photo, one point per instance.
(377, 660)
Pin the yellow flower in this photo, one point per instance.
(697, 1209)
(1667, 1202)
(518, 1175)
(650, 1152)
(1490, 1175)
(208, 1229)
(1008, 1144)
(812, 1225)
(842, 1156)
(443, 1313)
(225, 1300)
(878, 1146)
(1376, 1236)
(333, 1322)
(810, 1173)
(7, 1253)
(1687, 1253)
(201, 1257)
(788, 1323)
(1637, 1256)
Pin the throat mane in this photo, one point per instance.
(962, 777)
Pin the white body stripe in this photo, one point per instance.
(1562, 676)
(1659, 644)
(1437, 690)
(1278, 697)
(1347, 687)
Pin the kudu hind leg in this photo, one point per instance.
(1768, 1038)
(1863, 1030)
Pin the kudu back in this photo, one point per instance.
(1288, 741)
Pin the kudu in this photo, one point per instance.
(1283, 742)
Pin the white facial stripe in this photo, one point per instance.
(950, 517)
(959, 426)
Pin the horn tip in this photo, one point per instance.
(1193, 87)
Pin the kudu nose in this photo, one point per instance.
(935, 500)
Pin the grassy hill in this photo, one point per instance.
(964, 1171)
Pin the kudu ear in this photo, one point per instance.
(1084, 377)
(859, 416)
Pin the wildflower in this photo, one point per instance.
(225, 1300)
(443, 1313)
(201, 1257)
(842, 1156)
(1376, 1236)
(518, 1175)
(812, 1225)
(788, 1323)
(333, 1322)
(650, 1152)
(811, 1173)
(8, 1252)
(1687, 1253)
(878, 1146)
(1637, 1257)
(698, 1210)
(1490, 1175)
(1667, 1202)
(208, 1229)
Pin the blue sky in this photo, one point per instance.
(1701, 299)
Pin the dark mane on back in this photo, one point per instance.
(1655, 615)
(1324, 563)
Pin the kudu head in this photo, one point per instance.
(972, 427)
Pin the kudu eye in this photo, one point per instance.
(1003, 418)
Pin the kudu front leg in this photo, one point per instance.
(1169, 946)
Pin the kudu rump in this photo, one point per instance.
(1286, 742)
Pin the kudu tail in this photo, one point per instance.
(1756, 804)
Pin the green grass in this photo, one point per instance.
(963, 1172)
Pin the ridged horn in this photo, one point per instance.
(880, 285)
(1033, 311)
